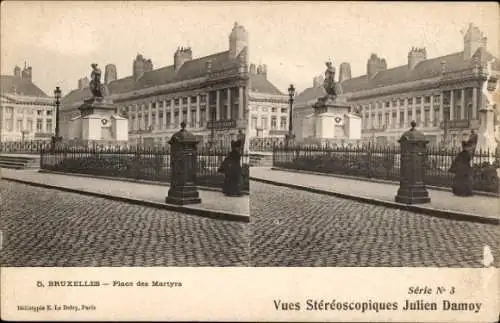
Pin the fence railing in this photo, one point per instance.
(23, 147)
(385, 162)
(136, 163)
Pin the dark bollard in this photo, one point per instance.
(183, 163)
(413, 155)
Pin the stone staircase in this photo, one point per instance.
(19, 161)
(261, 159)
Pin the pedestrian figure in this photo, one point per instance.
(233, 173)
(241, 140)
(461, 167)
(472, 142)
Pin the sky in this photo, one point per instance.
(61, 39)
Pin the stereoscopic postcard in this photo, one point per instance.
(250, 161)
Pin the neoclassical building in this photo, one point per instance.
(26, 112)
(268, 106)
(443, 94)
(208, 93)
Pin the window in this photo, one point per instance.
(274, 109)
(419, 120)
(153, 106)
(193, 118)
(273, 123)
(394, 120)
(19, 125)
(169, 118)
(426, 117)
(264, 123)
(254, 122)
(184, 101)
(436, 117)
(284, 110)
(146, 121)
(387, 120)
(387, 104)
(29, 125)
(176, 118)
(39, 112)
(176, 102)
(427, 99)
(380, 120)
(401, 119)
(169, 102)
(401, 102)
(437, 100)
(203, 118)
(418, 100)
(283, 122)
(410, 101)
(49, 125)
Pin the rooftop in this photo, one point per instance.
(16, 85)
(426, 69)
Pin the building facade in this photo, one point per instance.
(442, 95)
(268, 107)
(209, 94)
(26, 112)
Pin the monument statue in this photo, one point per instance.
(332, 89)
(95, 81)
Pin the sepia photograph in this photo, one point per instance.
(121, 145)
(249, 161)
(389, 153)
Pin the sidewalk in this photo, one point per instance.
(443, 204)
(213, 204)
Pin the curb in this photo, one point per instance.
(130, 180)
(446, 214)
(375, 180)
(213, 214)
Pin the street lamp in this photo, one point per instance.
(57, 97)
(291, 94)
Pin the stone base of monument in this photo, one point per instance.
(183, 196)
(413, 195)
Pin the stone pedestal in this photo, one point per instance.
(332, 120)
(98, 120)
(412, 189)
(486, 134)
(183, 165)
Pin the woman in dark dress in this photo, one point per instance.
(461, 167)
(233, 174)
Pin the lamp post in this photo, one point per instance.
(291, 94)
(57, 97)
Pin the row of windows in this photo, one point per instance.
(10, 110)
(266, 109)
(264, 123)
(9, 125)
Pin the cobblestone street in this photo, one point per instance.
(297, 228)
(44, 227)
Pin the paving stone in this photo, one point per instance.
(45, 227)
(297, 228)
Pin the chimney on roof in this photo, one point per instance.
(345, 72)
(262, 70)
(110, 73)
(209, 66)
(473, 40)
(27, 73)
(253, 69)
(83, 83)
(318, 81)
(182, 55)
(238, 40)
(375, 64)
(140, 66)
(17, 71)
(415, 56)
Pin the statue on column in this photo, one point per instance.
(95, 81)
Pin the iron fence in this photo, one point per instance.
(136, 163)
(379, 162)
(23, 147)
